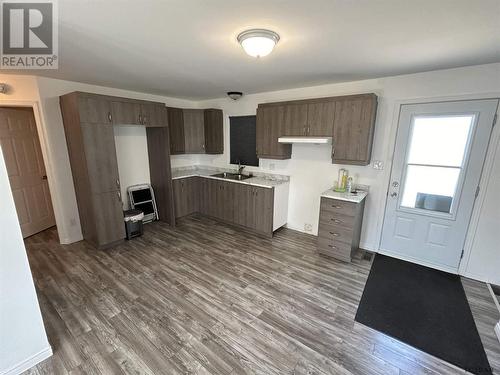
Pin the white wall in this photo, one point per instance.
(23, 341)
(132, 155)
(311, 170)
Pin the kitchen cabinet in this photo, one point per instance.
(295, 119)
(176, 127)
(320, 118)
(269, 127)
(214, 131)
(339, 227)
(100, 157)
(88, 126)
(248, 206)
(350, 120)
(353, 130)
(186, 196)
(194, 131)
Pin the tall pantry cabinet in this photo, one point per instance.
(91, 147)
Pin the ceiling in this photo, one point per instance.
(188, 48)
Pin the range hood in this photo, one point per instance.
(306, 139)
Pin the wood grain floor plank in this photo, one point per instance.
(207, 298)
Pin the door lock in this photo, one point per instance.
(395, 184)
(394, 194)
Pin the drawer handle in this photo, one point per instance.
(336, 221)
(334, 234)
(337, 206)
(333, 247)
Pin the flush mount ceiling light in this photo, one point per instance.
(258, 42)
(235, 95)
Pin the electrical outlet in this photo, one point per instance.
(378, 164)
(308, 227)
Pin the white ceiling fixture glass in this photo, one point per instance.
(258, 42)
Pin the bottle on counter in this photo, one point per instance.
(348, 188)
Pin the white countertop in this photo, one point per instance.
(355, 198)
(266, 181)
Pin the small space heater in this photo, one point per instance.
(142, 198)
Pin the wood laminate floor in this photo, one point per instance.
(206, 298)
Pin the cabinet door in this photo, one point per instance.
(180, 199)
(212, 189)
(320, 117)
(263, 209)
(295, 119)
(153, 115)
(108, 216)
(176, 128)
(94, 109)
(192, 192)
(203, 195)
(228, 206)
(353, 130)
(242, 194)
(214, 131)
(194, 131)
(269, 127)
(100, 154)
(126, 113)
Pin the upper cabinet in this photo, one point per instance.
(134, 112)
(214, 131)
(353, 130)
(196, 131)
(350, 120)
(269, 127)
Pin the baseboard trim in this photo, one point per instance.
(29, 362)
(497, 330)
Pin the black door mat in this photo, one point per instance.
(424, 308)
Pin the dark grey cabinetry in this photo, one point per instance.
(245, 205)
(339, 227)
(196, 131)
(350, 120)
(88, 125)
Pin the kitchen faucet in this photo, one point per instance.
(240, 167)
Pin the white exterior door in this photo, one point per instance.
(438, 159)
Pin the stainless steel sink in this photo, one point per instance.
(231, 176)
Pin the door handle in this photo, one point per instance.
(44, 177)
(109, 117)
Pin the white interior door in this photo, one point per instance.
(438, 159)
(26, 169)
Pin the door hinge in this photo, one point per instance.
(462, 254)
(495, 120)
(477, 191)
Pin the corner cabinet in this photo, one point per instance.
(349, 120)
(196, 131)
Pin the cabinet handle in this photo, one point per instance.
(308, 129)
(145, 120)
(333, 247)
(140, 119)
(334, 234)
(110, 118)
(336, 221)
(119, 195)
(304, 130)
(337, 207)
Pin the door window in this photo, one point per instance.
(437, 153)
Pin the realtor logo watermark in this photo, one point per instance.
(29, 34)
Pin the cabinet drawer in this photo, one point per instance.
(336, 219)
(335, 233)
(337, 250)
(338, 207)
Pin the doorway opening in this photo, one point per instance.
(20, 144)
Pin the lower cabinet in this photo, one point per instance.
(339, 228)
(241, 204)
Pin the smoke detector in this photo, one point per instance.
(235, 95)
